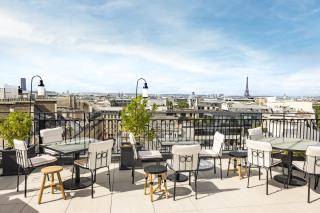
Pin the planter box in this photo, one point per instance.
(9, 161)
(126, 157)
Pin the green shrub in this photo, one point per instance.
(17, 125)
(136, 117)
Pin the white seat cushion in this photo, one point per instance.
(42, 160)
(50, 152)
(150, 154)
(299, 164)
(82, 162)
(208, 153)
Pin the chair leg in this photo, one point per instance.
(214, 165)
(165, 184)
(72, 177)
(316, 182)
(92, 181)
(228, 166)
(18, 179)
(145, 183)
(289, 176)
(25, 182)
(95, 175)
(259, 173)
(249, 172)
(270, 173)
(195, 184)
(132, 174)
(174, 186)
(267, 180)
(109, 178)
(284, 182)
(189, 178)
(220, 168)
(309, 188)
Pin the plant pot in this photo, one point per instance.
(9, 161)
(126, 157)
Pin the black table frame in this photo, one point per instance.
(78, 182)
(289, 179)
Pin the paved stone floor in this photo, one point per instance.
(215, 195)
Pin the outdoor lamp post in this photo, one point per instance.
(144, 88)
(41, 90)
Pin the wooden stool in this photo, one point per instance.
(47, 171)
(237, 157)
(158, 171)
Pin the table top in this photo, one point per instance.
(70, 146)
(290, 144)
(172, 143)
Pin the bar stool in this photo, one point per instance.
(47, 171)
(237, 157)
(158, 171)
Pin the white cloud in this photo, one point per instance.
(183, 58)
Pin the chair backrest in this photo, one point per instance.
(133, 142)
(218, 141)
(255, 133)
(99, 154)
(21, 153)
(51, 135)
(185, 157)
(259, 153)
(312, 163)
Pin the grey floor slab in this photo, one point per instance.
(214, 195)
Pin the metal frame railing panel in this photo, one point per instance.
(98, 126)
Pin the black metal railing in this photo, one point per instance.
(99, 126)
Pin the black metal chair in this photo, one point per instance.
(311, 166)
(28, 164)
(99, 156)
(259, 154)
(185, 158)
(215, 152)
(142, 156)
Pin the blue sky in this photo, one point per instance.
(178, 46)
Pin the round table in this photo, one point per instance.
(290, 145)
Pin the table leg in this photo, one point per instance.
(239, 167)
(77, 179)
(78, 183)
(290, 179)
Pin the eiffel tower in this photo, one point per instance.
(246, 93)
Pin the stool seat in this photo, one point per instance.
(155, 169)
(239, 154)
(51, 169)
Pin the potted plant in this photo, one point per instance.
(17, 125)
(135, 118)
